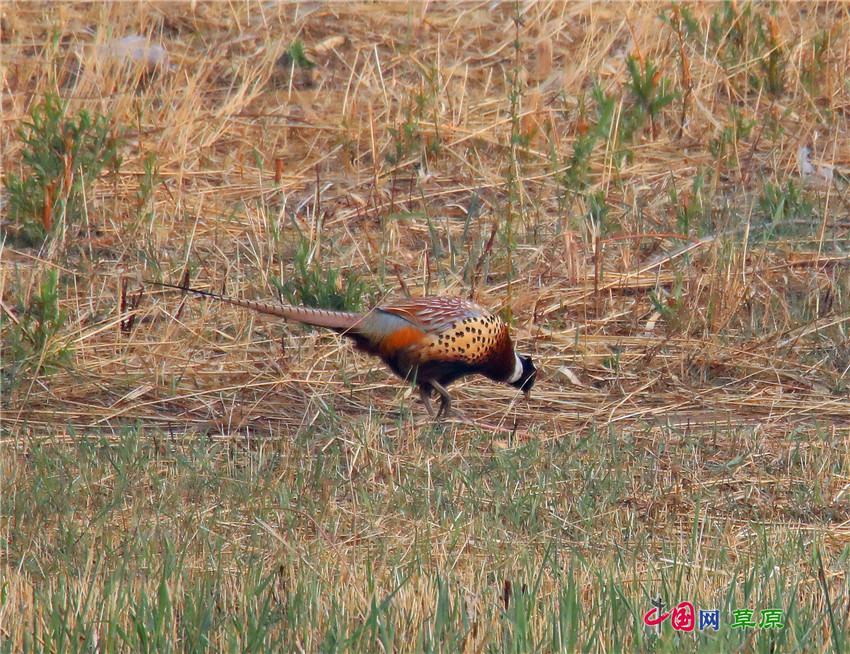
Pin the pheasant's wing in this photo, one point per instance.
(434, 315)
(452, 329)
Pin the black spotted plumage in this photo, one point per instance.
(430, 341)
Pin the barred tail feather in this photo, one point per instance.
(336, 320)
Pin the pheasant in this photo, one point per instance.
(429, 341)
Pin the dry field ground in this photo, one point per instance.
(655, 196)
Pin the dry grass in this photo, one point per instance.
(702, 454)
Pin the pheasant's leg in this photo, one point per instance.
(425, 394)
(445, 402)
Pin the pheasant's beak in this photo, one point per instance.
(527, 394)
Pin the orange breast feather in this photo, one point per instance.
(399, 339)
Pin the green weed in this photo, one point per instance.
(147, 186)
(692, 208)
(33, 344)
(408, 137)
(783, 207)
(575, 178)
(728, 143)
(515, 211)
(671, 304)
(682, 17)
(650, 91)
(296, 56)
(814, 64)
(744, 34)
(62, 157)
(315, 285)
(597, 214)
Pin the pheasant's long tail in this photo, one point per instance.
(337, 320)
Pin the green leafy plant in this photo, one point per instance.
(727, 142)
(681, 16)
(691, 207)
(297, 56)
(405, 138)
(32, 343)
(62, 157)
(814, 64)
(650, 91)
(519, 141)
(744, 34)
(574, 174)
(597, 213)
(408, 137)
(612, 362)
(147, 185)
(315, 285)
(779, 204)
(671, 304)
